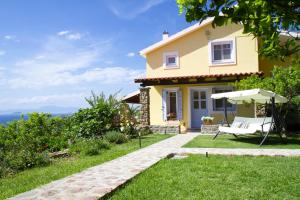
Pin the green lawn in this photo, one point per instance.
(32, 178)
(216, 177)
(249, 141)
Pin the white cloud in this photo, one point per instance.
(52, 99)
(69, 35)
(75, 36)
(11, 37)
(62, 63)
(131, 54)
(39, 57)
(131, 9)
(8, 37)
(2, 53)
(61, 33)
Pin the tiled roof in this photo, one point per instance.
(141, 80)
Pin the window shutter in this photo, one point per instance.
(179, 105)
(164, 105)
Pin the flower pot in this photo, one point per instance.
(206, 122)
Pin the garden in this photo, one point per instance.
(216, 177)
(54, 147)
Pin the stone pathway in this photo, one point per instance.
(97, 181)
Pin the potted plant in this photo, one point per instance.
(207, 120)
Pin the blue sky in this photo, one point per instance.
(54, 52)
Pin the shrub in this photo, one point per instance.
(145, 131)
(89, 146)
(25, 143)
(129, 116)
(116, 137)
(284, 81)
(4, 170)
(99, 118)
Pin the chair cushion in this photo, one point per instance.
(245, 124)
(236, 124)
(237, 131)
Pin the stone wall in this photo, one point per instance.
(145, 106)
(210, 129)
(168, 129)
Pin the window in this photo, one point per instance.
(222, 52)
(218, 104)
(171, 60)
(171, 106)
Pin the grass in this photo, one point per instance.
(35, 177)
(246, 141)
(216, 177)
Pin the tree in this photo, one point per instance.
(265, 19)
(284, 81)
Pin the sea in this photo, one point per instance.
(5, 118)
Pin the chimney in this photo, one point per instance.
(165, 35)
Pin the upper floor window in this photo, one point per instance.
(171, 60)
(222, 52)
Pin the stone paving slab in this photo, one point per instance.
(95, 182)
(239, 151)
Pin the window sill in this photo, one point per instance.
(171, 67)
(222, 64)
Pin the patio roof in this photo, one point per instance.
(196, 79)
(133, 97)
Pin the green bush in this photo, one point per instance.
(116, 137)
(89, 146)
(293, 116)
(129, 116)
(99, 118)
(4, 170)
(26, 143)
(145, 131)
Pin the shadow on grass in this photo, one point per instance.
(271, 140)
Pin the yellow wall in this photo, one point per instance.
(156, 115)
(193, 53)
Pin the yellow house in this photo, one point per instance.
(183, 70)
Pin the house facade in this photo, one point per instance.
(183, 70)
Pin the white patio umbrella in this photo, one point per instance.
(256, 95)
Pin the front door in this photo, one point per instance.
(198, 107)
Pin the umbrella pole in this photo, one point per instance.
(274, 122)
(225, 111)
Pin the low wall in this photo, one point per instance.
(167, 129)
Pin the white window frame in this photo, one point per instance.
(168, 99)
(171, 54)
(175, 89)
(231, 61)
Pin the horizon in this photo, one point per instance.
(53, 53)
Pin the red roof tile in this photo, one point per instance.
(141, 80)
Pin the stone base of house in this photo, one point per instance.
(212, 129)
(168, 129)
